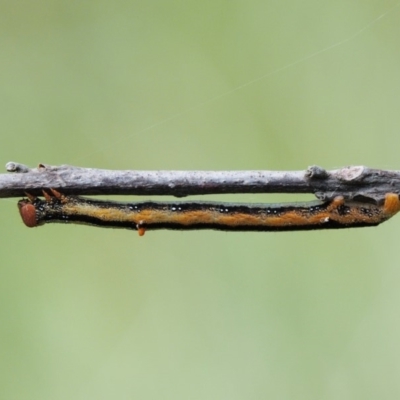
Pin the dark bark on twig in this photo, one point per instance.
(355, 182)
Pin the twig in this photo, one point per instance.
(355, 182)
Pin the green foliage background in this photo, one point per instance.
(87, 313)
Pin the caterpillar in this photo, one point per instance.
(190, 215)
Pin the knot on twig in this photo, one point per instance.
(316, 172)
(350, 173)
(17, 167)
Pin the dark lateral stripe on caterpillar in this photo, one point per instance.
(192, 215)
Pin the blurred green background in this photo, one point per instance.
(87, 313)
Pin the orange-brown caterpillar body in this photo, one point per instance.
(143, 216)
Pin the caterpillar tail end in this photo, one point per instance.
(391, 205)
